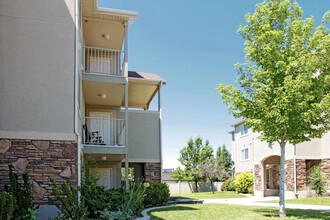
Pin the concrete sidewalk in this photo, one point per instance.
(252, 201)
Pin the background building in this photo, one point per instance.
(250, 154)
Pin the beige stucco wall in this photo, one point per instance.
(37, 66)
(325, 142)
(143, 130)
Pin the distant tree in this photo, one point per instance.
(192, 157)
(223, 158)
(212, 171)
(285, 83)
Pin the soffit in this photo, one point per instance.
(114, 93)
(95, 29)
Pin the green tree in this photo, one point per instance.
(192, 156)
(223, 158)
(212, 171)
(284, 84)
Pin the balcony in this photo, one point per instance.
(103, 61)
(104, 131)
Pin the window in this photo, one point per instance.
(245, 154)
(233, 136)
(244, 129)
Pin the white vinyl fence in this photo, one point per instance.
(189, 187)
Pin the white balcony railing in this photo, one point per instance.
(103, 61)
(104, 131)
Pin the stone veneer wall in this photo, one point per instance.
(300, 174)
(276, 176)
(42, 160)
(325, 168)
(257, 177)
(152, 172)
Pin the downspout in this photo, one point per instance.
(294, 170)
(76, 117)
(160, 131)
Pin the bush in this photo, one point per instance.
(67, 201)
(243, 181)
(96, 196)
(250, 190)
(223, 186)
(129, 204)
(318, 180)
(18, 198)
(157, 194)
(230, 184)
(7, 205)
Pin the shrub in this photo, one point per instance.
(243, 181)
(95, 196)
(7, 205)
(129, 204)
(67, 201)
(230, 184)
(318, 180)
(223, 186)
(250, 190)
(23, 207)
(157, 194)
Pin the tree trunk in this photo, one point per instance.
(282, 179)
(212, 186)
(196, 183)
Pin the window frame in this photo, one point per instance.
(245, 152)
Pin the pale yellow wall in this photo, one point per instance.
(310, 149)
(37, 66)
(259, 150)
(326, 145)
(143, 130)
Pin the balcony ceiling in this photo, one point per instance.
(140, 93)
(94, 31)
(97, 21)
(92, 91)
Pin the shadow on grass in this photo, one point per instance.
(297, 213)
(184, 197)
(175, 208)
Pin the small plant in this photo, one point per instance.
(250, 190)
(223, 185)
(7, 205)
(230, 184)
(22, 198)
(243, 181)
(128, 205)
(157, 194)
(67, 201)
(318, 180)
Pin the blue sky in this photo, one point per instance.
(194, 46)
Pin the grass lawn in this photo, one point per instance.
(308, 201)
(224, 211)
(208, 195)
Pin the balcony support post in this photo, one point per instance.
(160, 130)
(126, 134)
(126, 50)
(126, 173)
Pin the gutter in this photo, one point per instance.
(76, 113)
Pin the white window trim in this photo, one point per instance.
(243, 149)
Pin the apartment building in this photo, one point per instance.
(250, 154)
(67, 94)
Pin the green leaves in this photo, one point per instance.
(284, 83)
(192, 156)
